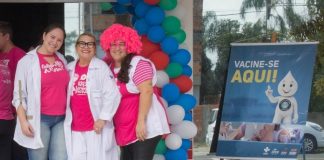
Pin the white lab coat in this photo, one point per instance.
(156, 122)
(29, 73)
(104, 98)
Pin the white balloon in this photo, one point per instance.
(173, 141)
(175, 114)
(185, 129)
(158, 157)
(164, 102)
(162, 78)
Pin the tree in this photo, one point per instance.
(313, 30)
(272, 15)
(207, 77)
(218, 35)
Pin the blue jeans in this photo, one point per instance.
(52, 135)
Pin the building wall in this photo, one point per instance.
(197, 46)
(200, 112)
(201, 118)
(29, 20)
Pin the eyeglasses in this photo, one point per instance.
(83, 44)
(121, 44)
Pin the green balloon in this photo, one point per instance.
(180, 36)
(174, 70)
(161, 147)
(171, 25)
(168, 4)
(105, 6)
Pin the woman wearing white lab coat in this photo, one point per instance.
(40, 99)
(30, 64)
(88, 127)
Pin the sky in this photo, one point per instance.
(223, 8)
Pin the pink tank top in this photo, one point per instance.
(125, 118)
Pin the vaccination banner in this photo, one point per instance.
(266, 100)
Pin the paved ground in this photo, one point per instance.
(201, 153)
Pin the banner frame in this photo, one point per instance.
(219, 117)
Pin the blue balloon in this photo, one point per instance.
(187, 101)
(120, 9)
(186, 144)
(187, 70)
(182, 56)
(131, 10)
(154, 16)
(141, 26)
(188, 116)
(169, 45)
(156, 34)
(141, 9)
(170, 92)
(124, 1)
(179, 154)
(135, 2)
(171, 103)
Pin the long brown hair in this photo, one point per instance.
(124, 70)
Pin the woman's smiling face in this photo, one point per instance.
(118, 50)
(53, 40)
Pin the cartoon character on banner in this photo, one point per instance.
(287, 107)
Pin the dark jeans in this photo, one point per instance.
(9, 149)
(140, 150)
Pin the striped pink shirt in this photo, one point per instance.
(143, 72)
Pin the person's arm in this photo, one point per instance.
(145, 101)
(19, 98)
(142, 78)
(234, 134)
(110, 99)
(271, 98)
(26, 128)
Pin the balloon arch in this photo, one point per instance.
(159, 24)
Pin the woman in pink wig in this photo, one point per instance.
(140, 120)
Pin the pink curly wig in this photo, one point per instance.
(119, 32)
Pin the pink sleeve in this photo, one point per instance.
(143, 72)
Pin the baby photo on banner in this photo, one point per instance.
(266, 100)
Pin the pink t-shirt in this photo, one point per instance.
(81, 113)
(143, 72)
(8, 65)
(54, 82)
